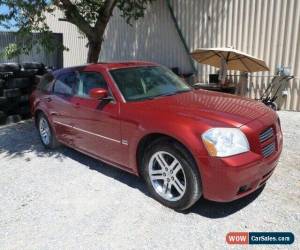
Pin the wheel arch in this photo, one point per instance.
(37, 112)
(151, 138)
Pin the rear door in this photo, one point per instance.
(97, 122)
(61, 107)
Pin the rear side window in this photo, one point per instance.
(46, 83)
(65, 84)
(88, 81)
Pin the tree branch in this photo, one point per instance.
(104, 16)
(73, 16)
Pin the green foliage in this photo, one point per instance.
(90, 9)
(11, 51)
(90, 16)
(26, 17)
(133, 9)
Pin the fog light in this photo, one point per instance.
(244, 189)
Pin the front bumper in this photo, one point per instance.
(230, 178)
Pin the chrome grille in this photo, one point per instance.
(267, 134)
(268, 150)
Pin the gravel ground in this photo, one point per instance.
(65, 200)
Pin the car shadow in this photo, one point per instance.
(203, 207)
(215, 210)
(106, 169)
(19, 139)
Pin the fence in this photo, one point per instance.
(37, 54)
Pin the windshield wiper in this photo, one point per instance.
(162, 95)
(142, 99)
(174, 93)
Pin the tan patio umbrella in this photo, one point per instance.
(235, 59)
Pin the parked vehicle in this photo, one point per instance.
(142, 118)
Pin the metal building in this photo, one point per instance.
(37, 54)
(268, 29)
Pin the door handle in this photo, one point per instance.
(77, 105)
(54, 114)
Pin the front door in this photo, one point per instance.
(97, 123)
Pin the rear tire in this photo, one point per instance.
(3, 101)
(46, 132)
(10, 67)
(20, 83)
(2, 83)
(24, 111)
(11, 93)
(11, 119)
(171, 174)
(24, 99)
(34, 67)
(2, 117)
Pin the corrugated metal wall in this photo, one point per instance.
(54, 58)
(152, 38)
(72, 39)
(268, 29)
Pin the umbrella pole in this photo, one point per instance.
(223, 71)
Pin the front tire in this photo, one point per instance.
(46, 133)
(171, 175)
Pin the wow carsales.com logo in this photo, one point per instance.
(260, 238)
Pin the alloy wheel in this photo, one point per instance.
(167, 176)
(44, 131)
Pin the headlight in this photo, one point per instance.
(223, 142)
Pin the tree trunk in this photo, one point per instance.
(94, 51)
(94, 34)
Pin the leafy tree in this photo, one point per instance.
(90, 16)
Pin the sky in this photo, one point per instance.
(3, 10)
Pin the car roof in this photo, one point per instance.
(107, 66)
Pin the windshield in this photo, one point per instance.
(148, 82)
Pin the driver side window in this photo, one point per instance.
(88, 81)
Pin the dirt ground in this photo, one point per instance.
(65, 200)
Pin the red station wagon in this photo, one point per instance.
(142, 118)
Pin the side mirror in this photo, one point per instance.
(98, 93)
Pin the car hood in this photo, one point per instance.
(202, 104)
